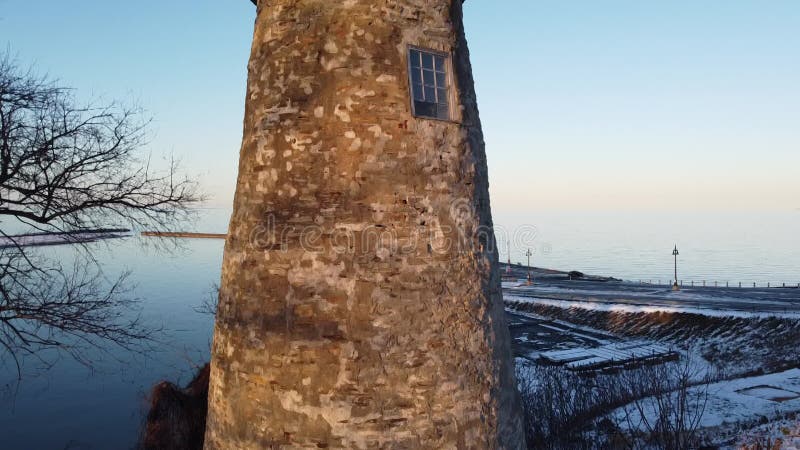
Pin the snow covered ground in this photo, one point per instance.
(723, 331)
(533, 334)
(617, 354)
(623, 307)
(632, 297)
(730, 403)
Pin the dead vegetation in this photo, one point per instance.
(177, 417)
(566, 410)
(774, 436)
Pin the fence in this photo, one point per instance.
(726, 284)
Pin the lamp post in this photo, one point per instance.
(508, 267)
(530, 278)
(675, 253)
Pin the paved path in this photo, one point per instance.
(769, 300)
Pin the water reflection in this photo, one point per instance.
(102, 406)
(76, 407)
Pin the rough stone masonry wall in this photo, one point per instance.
(360, 304)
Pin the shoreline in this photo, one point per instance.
(183, 235)
(62, 237)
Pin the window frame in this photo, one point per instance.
(449, 83)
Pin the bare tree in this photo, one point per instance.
(558, 407)
(67, 167)
(640, 407)
(210, 304)
(671, 416)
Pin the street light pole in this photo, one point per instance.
(530, 278)
(675, 253)
(508, 267)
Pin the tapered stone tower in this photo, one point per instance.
(360, 304)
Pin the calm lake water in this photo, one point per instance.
(733, 247)
(71, 406)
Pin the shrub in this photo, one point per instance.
(177, 417)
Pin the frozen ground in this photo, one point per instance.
(633, 297)
(533, 334)
(717, 311)
(730, 404)
(577, 347)
(618, 354)
(740, 334)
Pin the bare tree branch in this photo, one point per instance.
(68, 167)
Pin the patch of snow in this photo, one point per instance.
(770, 393)
(727, 402)
(628, 308)
(724, 296)
(569, 325)
(619, 353)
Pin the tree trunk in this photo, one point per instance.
(360, 303)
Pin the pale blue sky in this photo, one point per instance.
(586, 104)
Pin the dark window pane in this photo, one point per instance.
(416, 77)
(441, 95)
(426, 109)
(428, 77)
(441, 80)
(414, 58)
(443, 112)
(417, 88)
(439, 63)
(430, 94)
(427, 61)
(429, 84)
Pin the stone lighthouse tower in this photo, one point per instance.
(360, 303)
